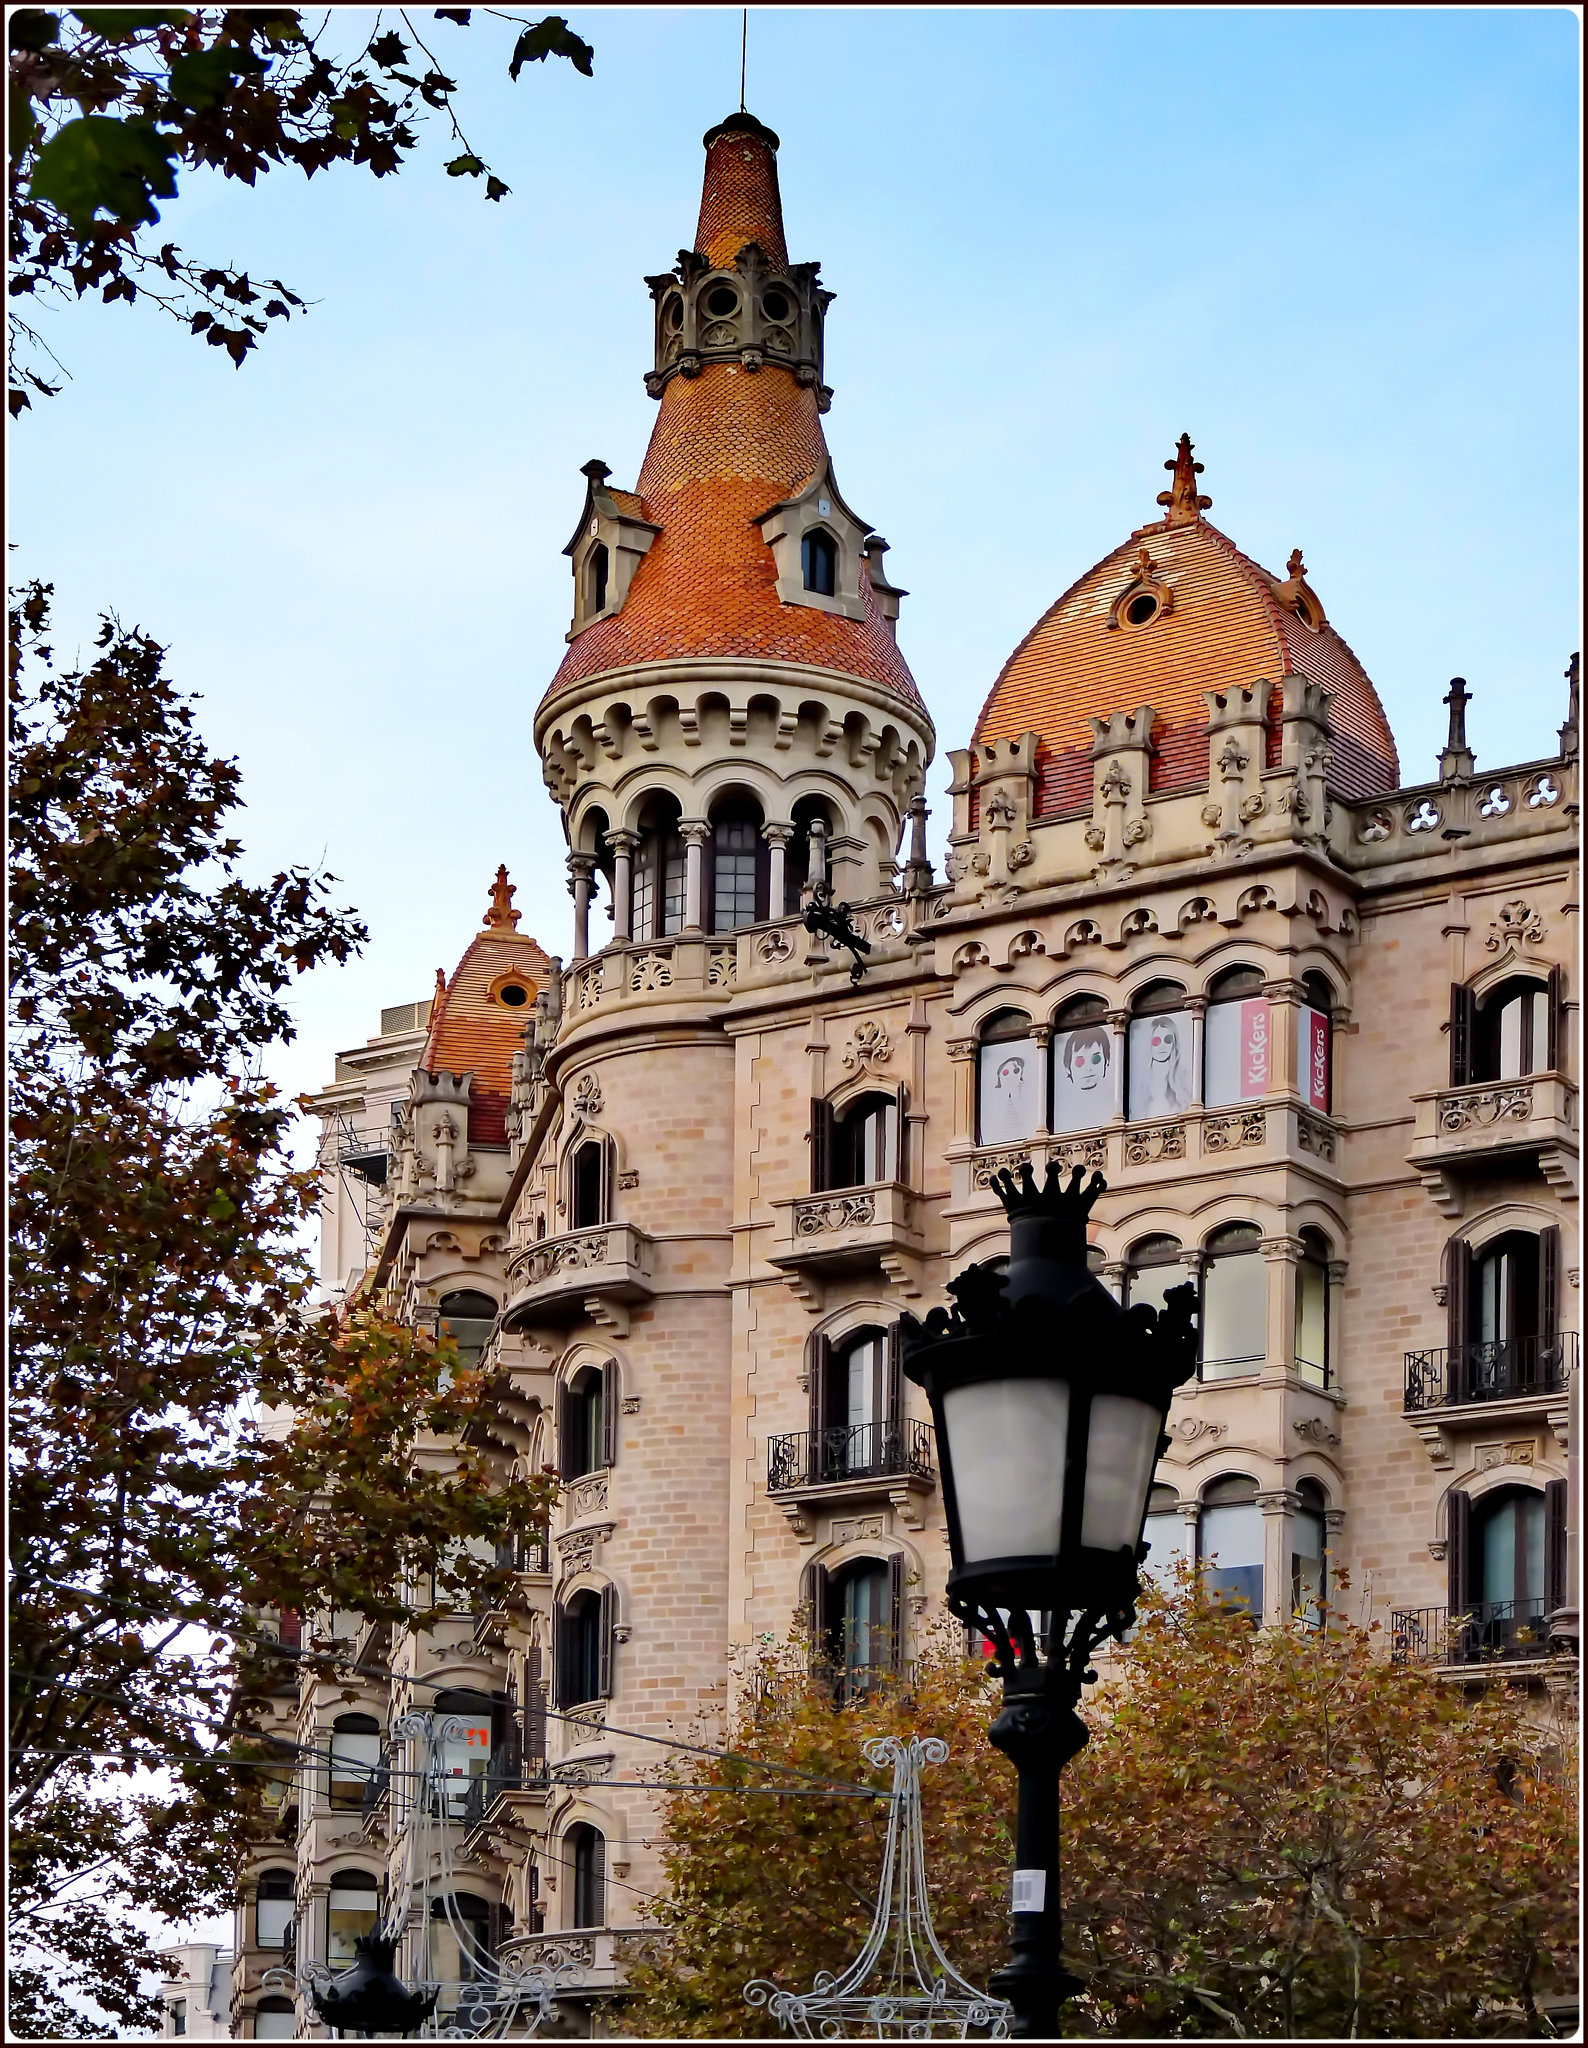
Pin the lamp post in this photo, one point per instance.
(1049, 1401)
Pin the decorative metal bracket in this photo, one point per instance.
(829, 920)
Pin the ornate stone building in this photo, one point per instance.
(1315, 1024)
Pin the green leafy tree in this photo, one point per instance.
(1271, 1834)
(192, 1440)
(108, 105)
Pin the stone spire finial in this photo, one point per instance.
(502, 916)
(1457, 757)
(1295, 567)
(1569, 731)
(1185, 504)
(441, 984)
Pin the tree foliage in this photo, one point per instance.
(192, 1439)
(107, 105)
(1271, 1834)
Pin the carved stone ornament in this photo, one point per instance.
(869, 1048)
(628, 1180)
(1375, 826)
(1253, 806)
(1096, 838)
(1316, 1431)
(1517, 923)
(1212, 816)
(1149, 1143)
(1191, 1428)
(631, 1404)
(1022, 854)
(1423, 815)
(587, 1496)
(587, 1097)
(774, 946)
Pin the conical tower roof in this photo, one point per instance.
(733, 439)
(1218, 621)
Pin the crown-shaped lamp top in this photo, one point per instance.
(1048, 1221)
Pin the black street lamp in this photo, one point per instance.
(1049, 1401)
(370, 1998)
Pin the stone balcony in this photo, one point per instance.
(596, 1272)
(844, 1228)
(585, 1961)
(1462, 1133)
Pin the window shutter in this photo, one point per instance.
(819, 1367)
(1458, 1296)
(1548, 1284)
(562, 1657)
(1458, 1545)
(607, 1179)
(534, 1716)
(1555, 1559)
(609, 1412)
(896, 1612)
(901, 1135)
(564, 1430)
(817, 1587)
(1463, 1026)
(608, 1631)
(1552, 1051)
(893, 1385)
(821, 1146)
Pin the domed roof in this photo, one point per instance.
(1220, 621)
(472, 1028)
(729, 444)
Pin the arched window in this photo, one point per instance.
(1234, 1303)
(1085, 1071)
(1315, 1044)
(856, 1398)
(659, 865)
(809, 857)
(585, 1849)
(588, 1180)
(584, 1648)
(1009, 1087)
(355, 1757)
(598, 577)
(1504, 1316)
(865, 1144)
(738, 868)
(275, 2018)
(1235, 1044)
(1313, 1362)
(1230, 1542)
(466, 1752)
(1309, 1539)
(588, 1423)
(1167, 1539)
(468, 1319)
(1159, 1053)
(1154, 1265)
(1513, 1035)
(273, 1908)
(858, 1623)
(352, 1908)
(460, 1939)
(819, 562)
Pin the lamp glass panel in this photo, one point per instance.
(1007, 1440)
(1121, 1450)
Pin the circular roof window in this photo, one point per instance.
(776, 305)
(514, 994)
(722, 300)
(1142, 610)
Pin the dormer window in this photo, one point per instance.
(598, 577)
(1141, 610)
(819, 560)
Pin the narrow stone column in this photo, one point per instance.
(581, 878)
(694, 832)
(816, 858)
(622, 845)
(777, 838)
(1277, 1507)
(1335, 1328)
(1284, 1259)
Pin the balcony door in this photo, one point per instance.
(856, 1400)
(1502, 1317)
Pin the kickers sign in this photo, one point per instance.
(1254, 1048)
(1312, 1058)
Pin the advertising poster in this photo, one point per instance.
(1160, 1065)
(1312, 1059)
(1238, 1059)
(1085, 1078)
(1011, 1105)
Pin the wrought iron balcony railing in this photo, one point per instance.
(1486, 1632)
(870, 1450)
(514, 1767)
(1505, 1369)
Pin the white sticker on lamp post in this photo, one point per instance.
(1031, 1891)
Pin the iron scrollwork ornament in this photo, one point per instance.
(829, 920)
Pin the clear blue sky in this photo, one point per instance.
(1339, 247)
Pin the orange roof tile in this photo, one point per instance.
(728, 444)
(471, 1029)
(1226, 629)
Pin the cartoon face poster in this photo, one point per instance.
(1010, 1107)
(1160, 1065)
(1085, 1078)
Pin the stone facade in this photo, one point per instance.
(1317, 1029)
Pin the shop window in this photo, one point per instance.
(858, 1623)
(864, 1144)
(460, 1939)
(1315, 1045)
(738, 869)
(1230, 1542)
(856, 1404)
(1158, 1053)
(587, 1425)
(1309, 1537)
(1154, 1265)
(1234, 1303)
(275, 2019)
(468, 1319)
(1084, 1067)
(1313, 1362)
(1167, 1539)
(585, 1849)
(352, 1908)
(273, 1908)
(584, 1648)
(589, 1184)
(819, 562)
(355, 1757)
(1009, 1084)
